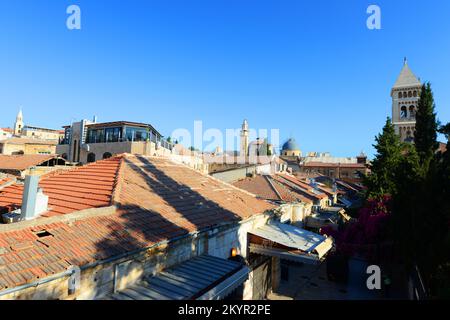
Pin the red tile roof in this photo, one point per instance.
(155, 200)
(260, 186)
(304, 187)
(90, 186)
(23, 162)
(271, 188)
(288, 193)
(5, 181)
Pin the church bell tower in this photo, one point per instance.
(405, 97)
(18, 125)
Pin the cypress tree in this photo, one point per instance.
(425, 137)
(388, 154)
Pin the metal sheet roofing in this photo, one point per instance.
(189, 280)
(290, 236)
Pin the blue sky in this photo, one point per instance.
(310, 68)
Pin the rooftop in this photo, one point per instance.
(280, 187)
(122, 123)
(406, 78)
(132, 202)
(314, 164)
(23, 162)
(290, 145)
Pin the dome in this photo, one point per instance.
(290, 145)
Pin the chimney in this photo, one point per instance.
(94, 119)
(34, 201)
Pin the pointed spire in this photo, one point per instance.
(406, 77)
(19, 114)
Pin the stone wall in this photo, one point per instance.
(106, 277)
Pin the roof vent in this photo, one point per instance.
(34, 201)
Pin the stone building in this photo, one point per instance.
(26, 131)
(42, 133)
(137, 227)
(405, 96)
(87, 141)
(18, 146)
(350, 169)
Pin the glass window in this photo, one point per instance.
(113, 134)
(136, 134)
(95, 135)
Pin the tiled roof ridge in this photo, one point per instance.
(299, 185)
(273, 187)
(209, 176)
(75, 168)
(117, 187)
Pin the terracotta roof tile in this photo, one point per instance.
(156, 200)
(259, 186)
(81, 188)
(23, 162)
(307, 190)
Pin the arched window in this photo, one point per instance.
(91, 157)
(412, 112)
(409, 94)
(403, 112)
(107, 155)
(415, 93)
(405, 94)
(399, 95)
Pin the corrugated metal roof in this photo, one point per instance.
(189, 280)
(290, 236)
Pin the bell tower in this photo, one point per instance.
(18, 125)
(405, 96)
(244, 139)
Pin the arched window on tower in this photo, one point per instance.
(91, 157)
(412, 112)
(410, 94)
(415, 93)
(403, 112)
(399, 95)
(107, 155)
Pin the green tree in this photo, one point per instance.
(425, 137)
(442, 188)
(388, 154)
(405, 222)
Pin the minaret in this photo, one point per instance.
(405, 96)
(18, 125)
(244, 139)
